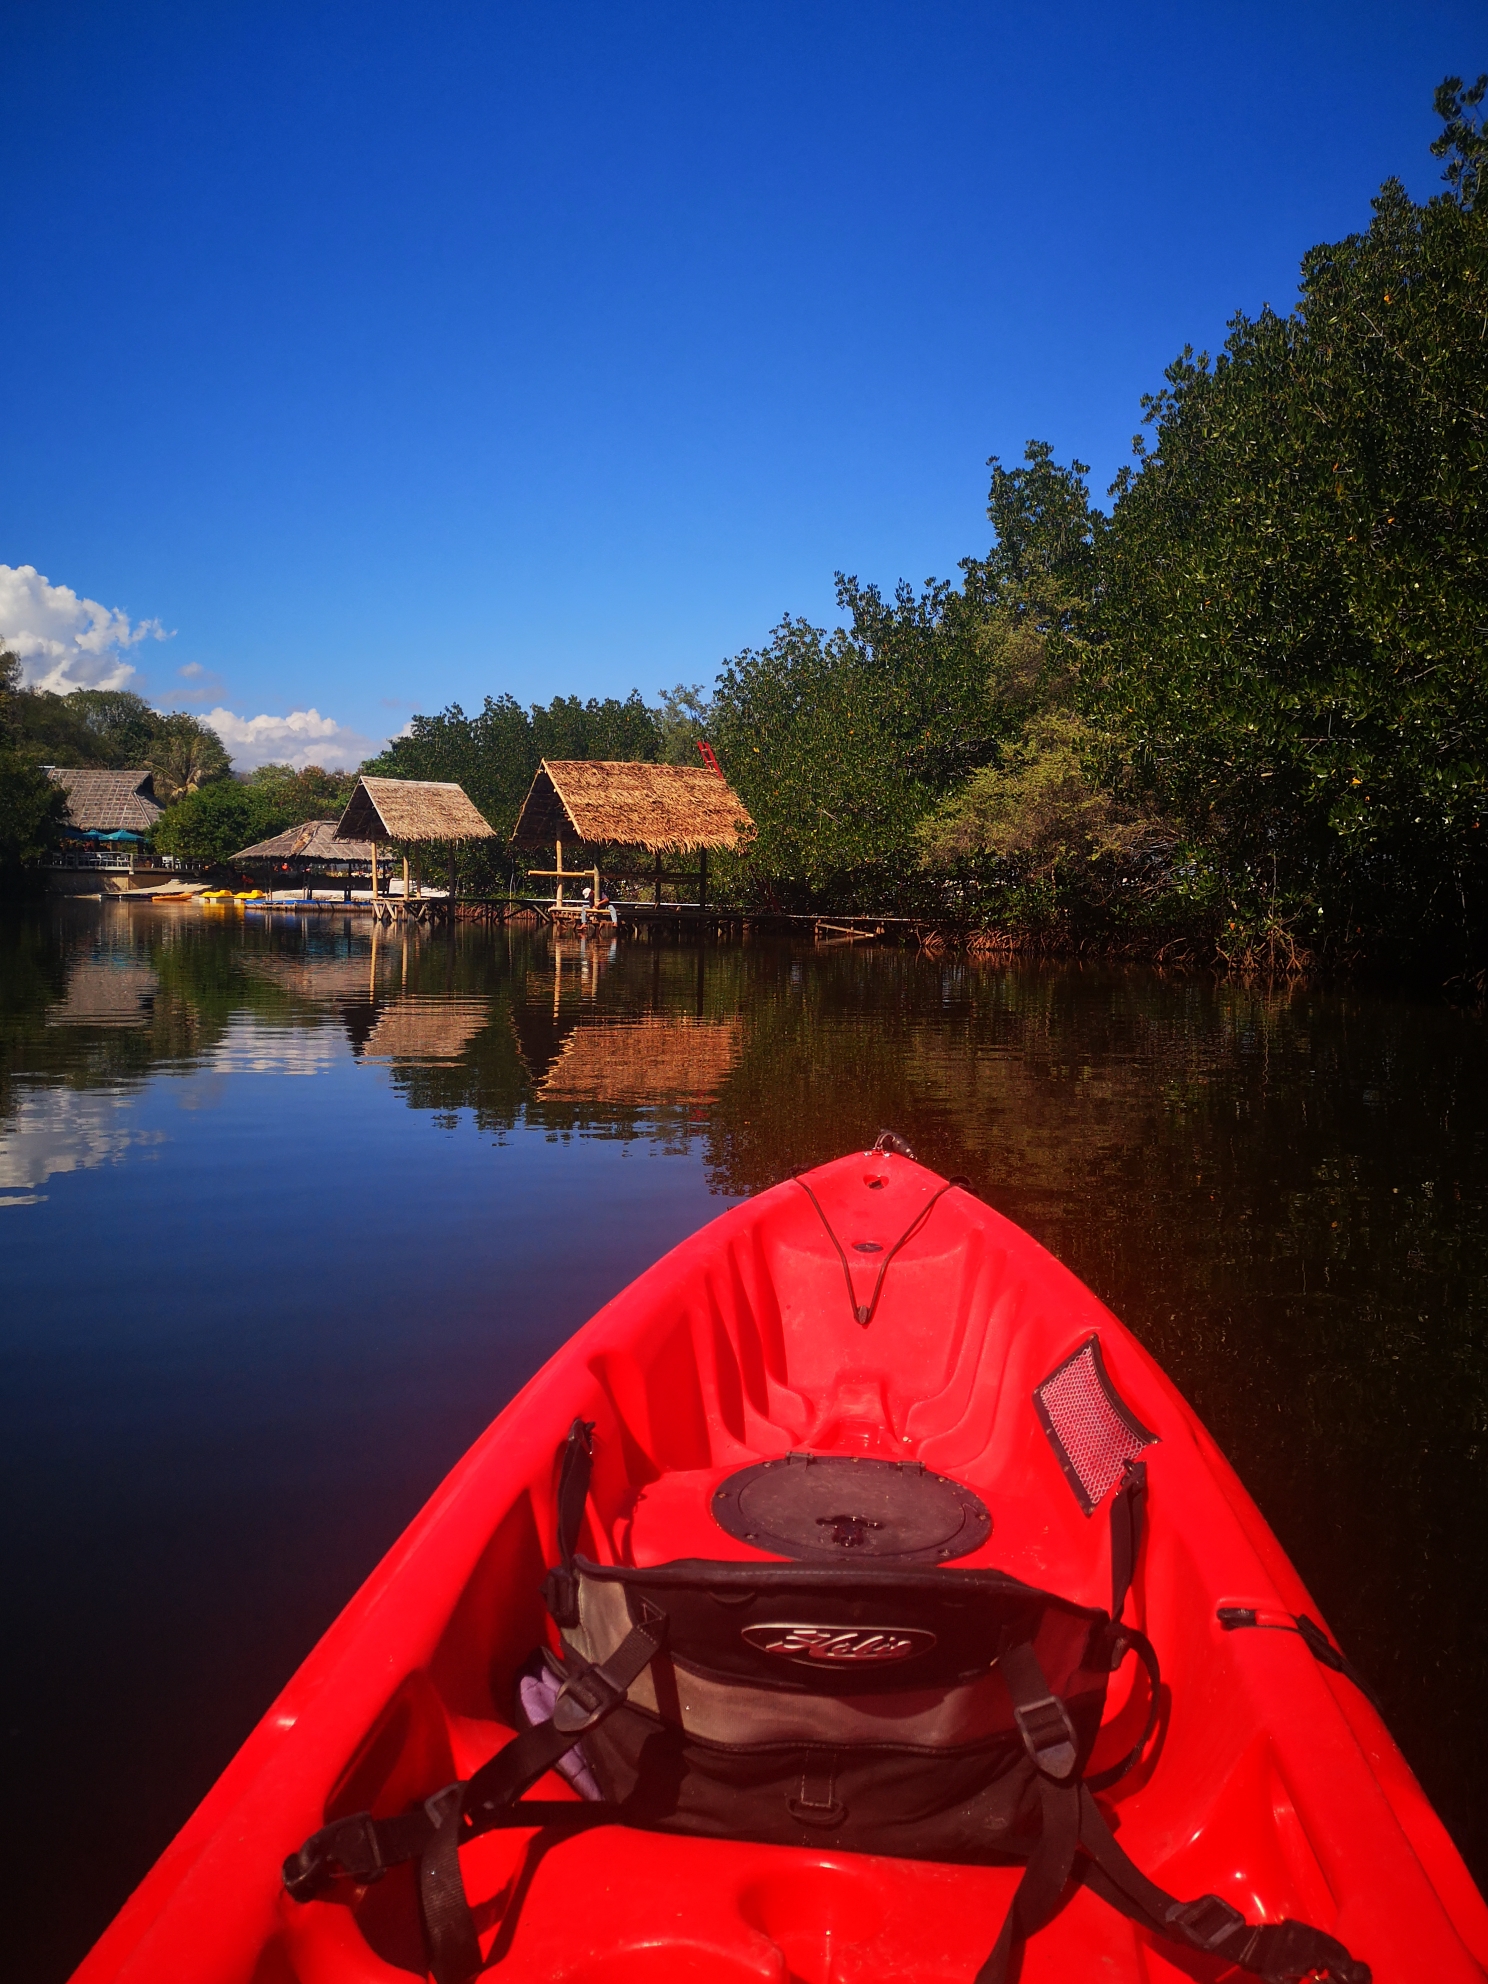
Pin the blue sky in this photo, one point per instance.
(383, 356)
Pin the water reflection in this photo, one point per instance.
(1284, 1192)
(50, 1131)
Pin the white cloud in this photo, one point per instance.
(304, 737)
(65, 642)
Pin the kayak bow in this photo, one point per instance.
(986, 1430)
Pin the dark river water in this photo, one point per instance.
(286, 1218)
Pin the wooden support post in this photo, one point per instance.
(374, 874)
(558, 864)
(405, 881)
(702, 878)
(658, 881)
(452, 883)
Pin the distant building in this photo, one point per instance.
(601, 812)
(104, 805)
(109, 816)
(307, 855)
(426, 814)
(312, 844)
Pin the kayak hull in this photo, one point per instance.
(1274, 1782)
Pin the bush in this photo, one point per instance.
(214, 823)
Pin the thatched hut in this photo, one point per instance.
(415, 813)
(308, 850)
(107, 805)
(105, 830)
(658, 809)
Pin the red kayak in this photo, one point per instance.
(851, 1599)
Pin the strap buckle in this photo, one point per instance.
(1048, 1735)
(583, 1700)
(438, 1806)
(1208, 1923)
(560, 1593)
(348, 1848)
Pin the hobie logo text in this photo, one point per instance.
(856, 1644)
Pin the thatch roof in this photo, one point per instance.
(312, 840)
(108, 802)
(677, 808)
(658, 1058)
(407, 809)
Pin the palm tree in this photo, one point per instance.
(184, 756)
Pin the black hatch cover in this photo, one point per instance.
(831, 1508)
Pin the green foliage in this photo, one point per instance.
(32, 808)
(1039, 812)
(115, 725)
(311, 794)
(112, 730)
(1249, 707)
(838, 742)
(495, 754)
(599, 728)
(183, 756)
(217, 820)
(1294, 591)
(683, 718)
(54, 730)
(1463, 141)
(214, 822)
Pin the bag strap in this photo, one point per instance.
(1051, 1742)
(1277, 1952)
(487, 1799)
(362, 1848)
(1128, 1521)
(560, 1588)
(1129, 1640)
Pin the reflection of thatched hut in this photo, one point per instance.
(102, 992)
(636, 1062)
(426, 1029)
(661, 809)
(415, 813)
(321, 980)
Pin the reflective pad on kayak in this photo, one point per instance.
(832, 1507)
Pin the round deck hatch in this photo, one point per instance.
(830, 1508)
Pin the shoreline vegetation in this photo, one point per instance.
(1237, 720)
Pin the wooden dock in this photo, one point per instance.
(694, 919)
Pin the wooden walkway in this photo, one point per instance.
(689, 918)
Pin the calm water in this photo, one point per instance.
(287, 1218)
